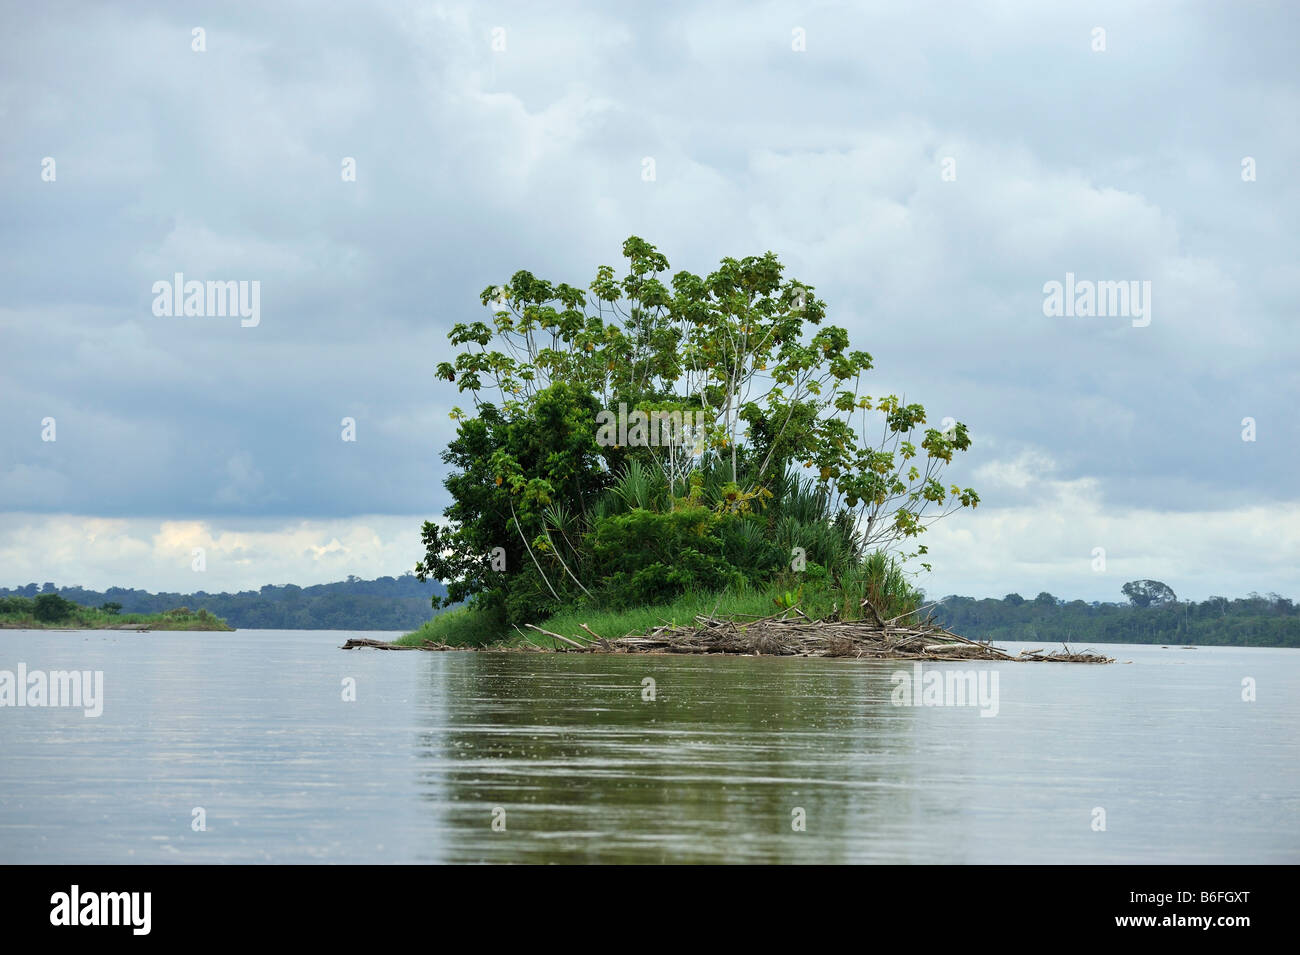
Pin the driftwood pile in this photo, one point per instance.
(788, 633)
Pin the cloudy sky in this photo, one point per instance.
(928, 167)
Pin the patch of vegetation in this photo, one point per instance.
(751, 466)
(51, 611)
(814, 596)
(1260, 621)
(387, 603)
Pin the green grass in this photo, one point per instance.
(461, 627)
(880, 579)
(91, 618)
(464, 627)
(619, 623)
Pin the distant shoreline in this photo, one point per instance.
(172, 625)
(52, 612)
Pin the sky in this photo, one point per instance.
(928, 167)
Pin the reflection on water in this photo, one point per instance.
(575, 764)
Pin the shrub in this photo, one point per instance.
(646, 557)
(17, 604)
(50, 608)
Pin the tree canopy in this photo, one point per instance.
(1147, 593)
(772, 442)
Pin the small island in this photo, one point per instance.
(685, 464)
(53, 612)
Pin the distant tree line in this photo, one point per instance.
(52, 609)
(389, 603)
(1153, 614)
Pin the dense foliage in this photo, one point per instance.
(389, 603)
(1272, 621)
(51, 610)
(726, 386)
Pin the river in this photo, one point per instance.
(241, 747)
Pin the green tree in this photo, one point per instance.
(513, 478)
(51, 608)
(1148, 593)
(743, 351)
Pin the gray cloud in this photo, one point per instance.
(1124, 164)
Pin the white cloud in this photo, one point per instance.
(990, 552)
(1025, 469)
(158, 554)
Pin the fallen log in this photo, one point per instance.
(354, 643)
(558, 637)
